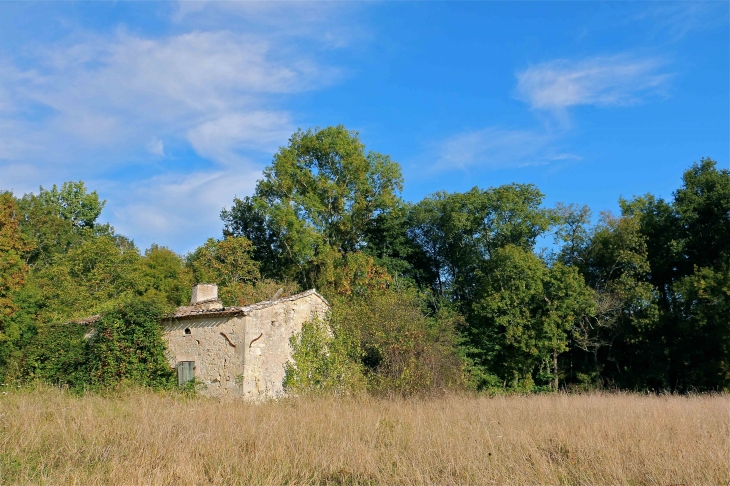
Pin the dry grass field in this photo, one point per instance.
(50, 437)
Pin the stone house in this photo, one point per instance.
(237, 351)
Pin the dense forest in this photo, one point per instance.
(448, 292)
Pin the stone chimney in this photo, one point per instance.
(205, 296)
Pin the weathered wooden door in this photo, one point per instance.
(185, 372)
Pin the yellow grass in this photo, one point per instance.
(50, 437)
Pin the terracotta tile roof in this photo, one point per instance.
(191, 312)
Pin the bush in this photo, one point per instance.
(127, 346)
(124, 346)
(325, 360)
(56, 354)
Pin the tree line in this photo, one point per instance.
(450, 291)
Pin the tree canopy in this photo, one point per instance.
(452, 290)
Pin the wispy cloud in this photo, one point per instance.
(331, 24)
(129, 89)
(182, 208)
(602, 81)
(679, 19)
(555, 86)
(88, 107)
(498, 148)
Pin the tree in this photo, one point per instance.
(166, 273)
(73, 203)
(317, 200)
(457, 232)
(572, 230)
(56, 220)
(704, 306)
(224, 262)
(614, 263)
(524, 316)
(685, 238)
(14, 247)
(703, 211)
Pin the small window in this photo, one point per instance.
(185, 372)
(187, 331)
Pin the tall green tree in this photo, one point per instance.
(57, 219)
(14, 248)
(613, 260)
(317, 200)
(524, 317)
(687, 239)
(457, 232)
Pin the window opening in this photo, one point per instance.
(188, 331)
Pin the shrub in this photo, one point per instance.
(127, 346)
(324, 360)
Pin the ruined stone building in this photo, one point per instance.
(237, 351)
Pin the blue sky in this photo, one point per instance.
(171, 109)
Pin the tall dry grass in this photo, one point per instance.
(50, 437)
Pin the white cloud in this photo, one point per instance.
(156, 147)
(219, 138)
(498, 148)
(184, 208)
(602, 81)
(679, 19)
(330, 24)
(112, 93)
(85, 109)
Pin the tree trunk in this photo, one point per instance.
(555, 369)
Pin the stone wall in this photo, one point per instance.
(244, 352)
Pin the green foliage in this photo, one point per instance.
(79, 269)
(224, 262)
(318, 199)
(56, 220)
(13, 269)
(704, 304)
(91, 277)
(127, 346)
(122, 346)
(229, 264)
(687, 240)
(445, 292)
(524, 318)
(400, 348)
(55, 353)
(14, 248)
(703, 212)
(324, 361)
(72, 203)
(457, 232)
(614, 263)
(164, 272)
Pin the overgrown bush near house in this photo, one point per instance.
(325, 360)
(123, 346)
(388, 332)
(402, 350)
(127, 346)
(56, 354)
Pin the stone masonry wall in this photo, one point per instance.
(268, 350)
(218, 364)
(245, 354)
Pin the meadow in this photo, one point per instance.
(48, 436)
